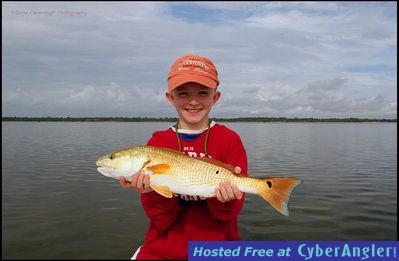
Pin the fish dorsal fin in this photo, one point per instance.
(159, 168)
(162, 190)
(217, 163)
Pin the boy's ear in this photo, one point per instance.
(216, 96)
(169, 96)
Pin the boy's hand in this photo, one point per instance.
(140, 182)
(227, 191)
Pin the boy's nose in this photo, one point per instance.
(192, 100)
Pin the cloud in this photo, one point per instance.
(335, 59)
(326, 85)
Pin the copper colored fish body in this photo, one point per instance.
(172, 172)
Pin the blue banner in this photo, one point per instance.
(292, 250)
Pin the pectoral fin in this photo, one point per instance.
(159, 168)
(163, 190)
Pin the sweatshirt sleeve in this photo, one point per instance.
(235, 155)
(225, 211)
(161, 211)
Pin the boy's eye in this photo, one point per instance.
(182, 94)
(203, 93)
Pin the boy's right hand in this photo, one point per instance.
(140, 182)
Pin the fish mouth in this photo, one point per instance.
(101, 164)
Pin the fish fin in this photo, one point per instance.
(163, 190)
(159, 168)
(217, 163)
(277, 191)
(212, 195)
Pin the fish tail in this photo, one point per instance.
(277, 192)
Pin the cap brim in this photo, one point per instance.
(177, 80)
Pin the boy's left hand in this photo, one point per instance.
(227, 191)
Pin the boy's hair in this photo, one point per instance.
(193, 68)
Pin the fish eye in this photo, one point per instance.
(111, 157)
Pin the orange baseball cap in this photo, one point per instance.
(193, 68)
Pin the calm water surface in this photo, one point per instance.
(56, 205)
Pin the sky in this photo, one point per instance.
(274, 59)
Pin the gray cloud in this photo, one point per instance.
(274, 59)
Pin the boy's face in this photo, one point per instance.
(193, 103)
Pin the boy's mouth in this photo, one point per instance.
(193, 110)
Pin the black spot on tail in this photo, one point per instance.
(269, 183)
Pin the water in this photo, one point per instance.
(56, 205)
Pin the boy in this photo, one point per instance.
(192, 90)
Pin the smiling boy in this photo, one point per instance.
(192, 90)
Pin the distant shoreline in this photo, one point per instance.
(149, 119)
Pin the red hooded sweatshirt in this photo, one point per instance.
(175, 221)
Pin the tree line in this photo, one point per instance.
(149, 119)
